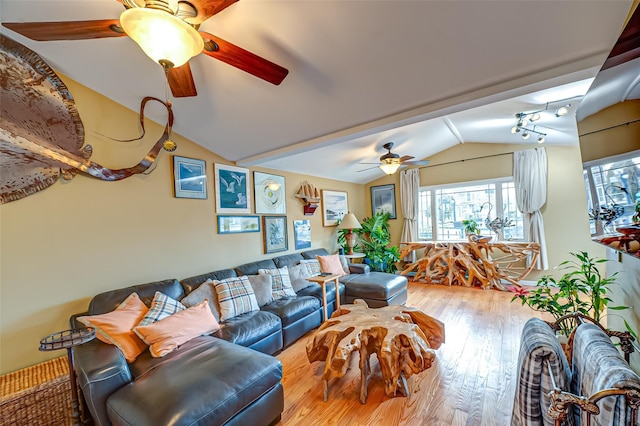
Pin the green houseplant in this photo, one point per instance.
(471, 227)
(375, 239)
(581, 289)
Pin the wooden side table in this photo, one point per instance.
(323, 280)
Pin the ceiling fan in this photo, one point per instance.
(175, 41)
(391, 162)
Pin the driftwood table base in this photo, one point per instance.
(403, 339)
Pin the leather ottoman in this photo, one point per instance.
(376, 288)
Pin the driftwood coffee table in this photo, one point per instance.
(403, 339)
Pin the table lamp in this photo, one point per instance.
(350, 222)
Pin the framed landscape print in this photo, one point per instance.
(274, 233)
(334, 206)
(383, 199)
(190, 178)
(238, 224)
(302, 233)
(270, 193)
(232, 189)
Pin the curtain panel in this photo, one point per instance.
(409, 186)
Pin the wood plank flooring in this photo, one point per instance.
(471, 383)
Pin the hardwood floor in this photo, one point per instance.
(472, 381)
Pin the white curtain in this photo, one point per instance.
(409, 186)
(530, 180)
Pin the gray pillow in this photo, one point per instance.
(206, 290)
(299, 274)
(262, 285)
(345, 264)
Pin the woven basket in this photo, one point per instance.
(37, 395)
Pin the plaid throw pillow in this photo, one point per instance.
(281, 284)
(313, 266)
(235, 296)
(162, 306)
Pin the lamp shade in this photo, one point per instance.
(349, 221)
(162, 36)
(390, 168)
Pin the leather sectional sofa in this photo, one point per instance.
(229, 377)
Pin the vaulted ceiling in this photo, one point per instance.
(426, 75)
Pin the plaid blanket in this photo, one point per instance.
(538, 344)
(598, 365)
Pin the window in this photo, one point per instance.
(615, 185)
(441, 209)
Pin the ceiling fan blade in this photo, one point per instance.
(207, 8)
(72, 30)
(243, 59)
(368, 168)
(405, 158)
(416, 163)
(181, 81)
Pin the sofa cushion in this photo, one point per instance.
(115, 327)
(235, 296)
(167, 334)
(288, 260)
(249, 328)
(331, 264)
(298, 275)
(262, 287)
(281, 283)
(109, 300)
(374, 285)
(205, 291)
(291, 310)
(207, 381)
(161, 307)
(315, 290)
(252, 268)
(192, 283)
(311, 254)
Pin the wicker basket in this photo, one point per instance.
(37, 395)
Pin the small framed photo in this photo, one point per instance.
(190, 178)
(302, 233)
(270, 193)
(334, 206)
(383, 199)
(232, 189)
(274, 233)
(238, 224)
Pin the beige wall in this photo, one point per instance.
(564, 214)
(63, 245)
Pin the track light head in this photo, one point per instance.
(515, 129)
(541, 139)
(526, 135)
(563, 110)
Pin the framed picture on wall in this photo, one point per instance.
(383, 199)
(238, 224)
(274, 233)
(190, 178)
(232, 189)
(302, 233)
(334, 206)
(270, 193)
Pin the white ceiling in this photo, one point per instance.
(426, 75)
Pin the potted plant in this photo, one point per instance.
(471, 227)
(375, 239)
(581, 289)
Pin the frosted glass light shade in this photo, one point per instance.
(389, 168)
(161, 35)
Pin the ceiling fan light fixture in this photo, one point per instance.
(390, 167)
(162, 36)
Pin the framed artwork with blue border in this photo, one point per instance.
(238, 224)
(190, 178)
(383, 200)
(232, 186)
(302, 233)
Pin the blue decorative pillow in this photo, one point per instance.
(162, 306)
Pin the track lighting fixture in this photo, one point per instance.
(563, 110)
(523, 119)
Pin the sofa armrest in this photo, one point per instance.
(359, 268)
(101, 370)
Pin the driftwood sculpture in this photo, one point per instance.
(476, 262)
(403, 339)
(41, 134)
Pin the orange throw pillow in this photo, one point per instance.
(167, 334)
(115, 327)
(331, 264)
